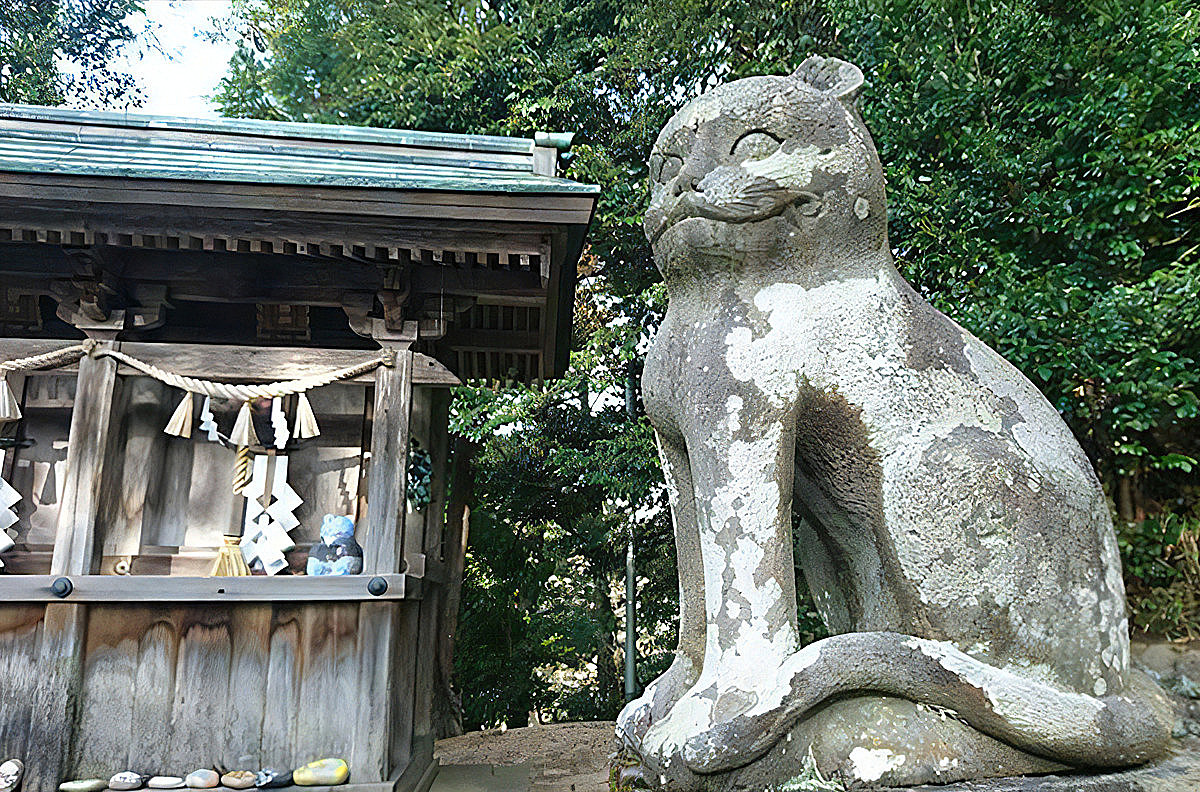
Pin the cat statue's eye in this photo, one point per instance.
(755, 145)
(664, 167)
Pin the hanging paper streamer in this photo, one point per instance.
(8, 515)
(306, 421)
(270, 501)
(243, 428)
(10, 410)
(180, 424)
(279, 423)
(208, 424)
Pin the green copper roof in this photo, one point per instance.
(91, 143)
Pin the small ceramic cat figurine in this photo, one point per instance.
(953, 533)
(337, 553)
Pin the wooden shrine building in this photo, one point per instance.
(293, 302)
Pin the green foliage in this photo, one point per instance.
(1045, 191)
(420, 476)
(1162, 574)
(52, 51)
(538, 629)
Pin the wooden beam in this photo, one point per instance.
(207, 198)
(204, 590)
(64, 630)
(494, 340)
(381, 641)
(383, 540)
(241, 363)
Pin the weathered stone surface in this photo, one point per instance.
(1179, 771)
(238, 779)
(202, 779)
(322, 772)
(165, 782)
(83, 785)
(953, 533)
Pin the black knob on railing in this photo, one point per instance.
(61, 587)
(377, 586)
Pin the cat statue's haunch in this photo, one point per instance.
(951, 530)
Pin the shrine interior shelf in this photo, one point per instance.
(174, 588)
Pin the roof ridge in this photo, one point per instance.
(288, 130)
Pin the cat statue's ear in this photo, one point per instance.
(831, 76)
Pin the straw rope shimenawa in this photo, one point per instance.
(223, 390)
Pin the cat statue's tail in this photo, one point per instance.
(1124, 728)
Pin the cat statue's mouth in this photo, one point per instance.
(758, 200)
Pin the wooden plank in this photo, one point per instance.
(20, 637)
(282, 690)
(373, 750)
(437, 442)
(104, 730)
(91, 421)
(154, 688)
(213, 509)
(144, 412)
(284, 197)
(70, 219)
(241, 363)
(167, 512)
(210, 590)
(198, 728)
(383, 539)
(567, 209)
(247, 703)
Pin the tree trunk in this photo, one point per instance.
(447, 703)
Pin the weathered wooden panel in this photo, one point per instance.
(167, 690)
(247, 702)
(198, 728)
(20, 637)
(105, 727)
(154, 688)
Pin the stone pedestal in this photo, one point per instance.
(1179, 771)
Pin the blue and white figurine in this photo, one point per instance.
(337, 553)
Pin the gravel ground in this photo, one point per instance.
(561, 757)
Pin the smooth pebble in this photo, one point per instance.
(238, 779)
(202, 779)
(10, 774)
(83, 785)
(165, 782)
(270, 778)
(322, 772)
(127, 780)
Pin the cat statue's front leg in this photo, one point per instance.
(661, 694)
(739, 453)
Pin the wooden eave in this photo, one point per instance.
(471, 217)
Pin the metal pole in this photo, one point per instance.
(630, 625)
(630, 582)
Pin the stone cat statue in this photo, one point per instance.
(953, 534)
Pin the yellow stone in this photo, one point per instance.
(322, 772)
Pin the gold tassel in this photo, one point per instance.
(242, 469)
(10, 409)
(180, 424)
(243, 429)
(306, 420)
(229, 561)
